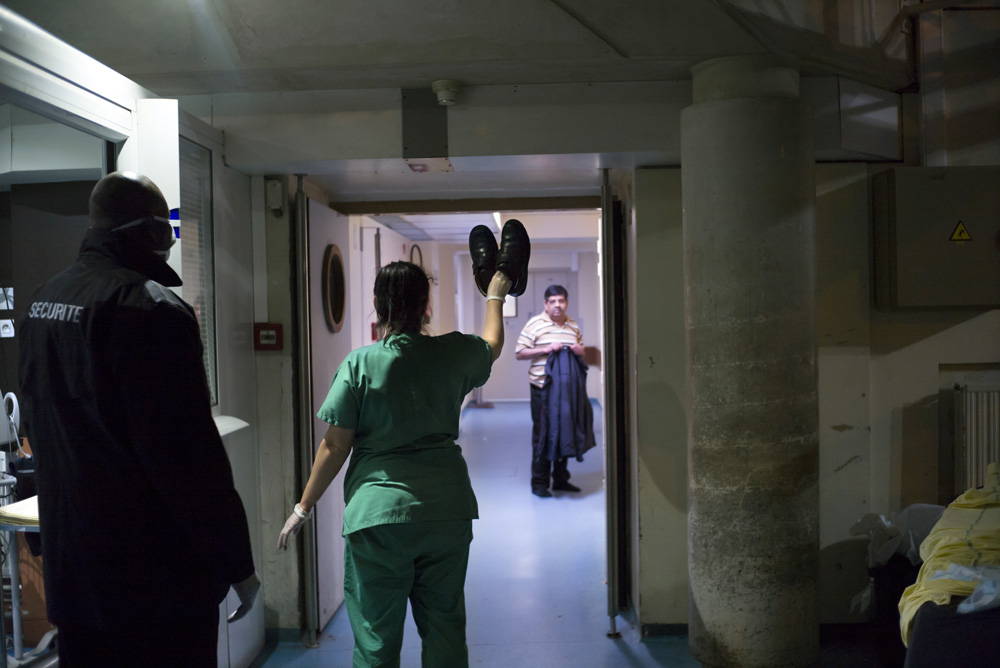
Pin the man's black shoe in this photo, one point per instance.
(565, 487)
(483, 247)
(541, 491)
(512, 258)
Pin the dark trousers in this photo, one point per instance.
(541, 467)
(191, 642)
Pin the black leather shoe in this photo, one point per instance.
(565, 487)
(512, 258)
(483, 247)
(541, 491)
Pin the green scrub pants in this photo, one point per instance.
(423, 562)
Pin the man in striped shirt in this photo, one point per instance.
(547, 333)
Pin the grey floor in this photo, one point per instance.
(536, 592)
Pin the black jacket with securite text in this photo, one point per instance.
(137, 507)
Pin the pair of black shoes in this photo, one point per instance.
(511, 257)
(557, 486)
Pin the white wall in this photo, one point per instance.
(445, 303)
(237, 387)
(656, 385)
(843, 360)
(276, 427)
(908, 352)
(588, 307)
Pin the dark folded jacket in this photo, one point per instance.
(567, 425)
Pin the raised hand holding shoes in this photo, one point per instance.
(511, 258)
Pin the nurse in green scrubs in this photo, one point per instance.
(393, 407)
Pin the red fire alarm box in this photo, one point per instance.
(267, 336)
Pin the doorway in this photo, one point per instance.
(565, 251)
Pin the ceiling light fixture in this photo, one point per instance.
(446, 90)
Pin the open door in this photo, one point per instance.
(324, 338)
(330, 331)
(612, 244)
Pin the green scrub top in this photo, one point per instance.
(402, 397)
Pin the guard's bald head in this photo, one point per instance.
(121, 197)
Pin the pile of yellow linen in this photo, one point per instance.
(968, 534)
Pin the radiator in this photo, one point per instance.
(977, 435)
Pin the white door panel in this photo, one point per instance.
(328, 350)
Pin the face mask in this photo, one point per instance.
(160, 231)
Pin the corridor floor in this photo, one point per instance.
(536, 591)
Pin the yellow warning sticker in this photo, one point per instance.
(960, 234)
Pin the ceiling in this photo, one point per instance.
(178, 48)
(443, 227)
(186, 47)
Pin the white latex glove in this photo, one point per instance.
(499, 285)
(247, 591)
(292, 526)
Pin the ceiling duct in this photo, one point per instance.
(425, 131)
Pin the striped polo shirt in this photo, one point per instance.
(541, 331)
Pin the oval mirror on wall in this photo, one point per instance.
(334, 288)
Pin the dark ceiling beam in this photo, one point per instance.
(935, 5)
(472, 205)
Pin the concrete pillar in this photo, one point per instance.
(749, 277)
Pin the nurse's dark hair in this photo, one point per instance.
(401, 293)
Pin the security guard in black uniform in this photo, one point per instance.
(142, 529)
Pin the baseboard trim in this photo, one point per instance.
(663, 630)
